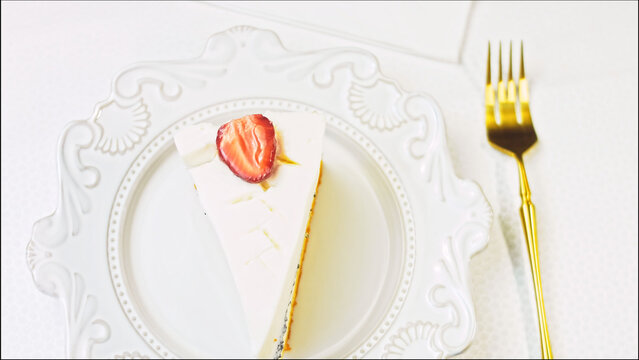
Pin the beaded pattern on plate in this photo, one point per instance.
(146, 157)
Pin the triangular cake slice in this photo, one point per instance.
(262, 216)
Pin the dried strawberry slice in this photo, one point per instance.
(247, 146)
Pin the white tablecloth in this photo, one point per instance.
(58, 60)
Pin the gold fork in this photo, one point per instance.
(514, 138)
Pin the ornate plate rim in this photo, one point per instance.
(128, 187)
(52, 232)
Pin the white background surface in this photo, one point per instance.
(58, 60)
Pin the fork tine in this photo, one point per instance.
(510, 62)
(522, 73)
(501, 90)
(523, 91)
(500, 79)
(511, 82)
(490, 96)
(488, 80)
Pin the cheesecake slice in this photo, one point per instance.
(257, 178)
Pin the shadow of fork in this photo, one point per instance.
(510, 226)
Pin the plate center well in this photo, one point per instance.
(179, 282)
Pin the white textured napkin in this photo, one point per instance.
(582, 173)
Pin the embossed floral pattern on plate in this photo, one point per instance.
(446, 219)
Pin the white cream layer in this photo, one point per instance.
(261, 231)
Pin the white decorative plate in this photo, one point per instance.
(138, 266)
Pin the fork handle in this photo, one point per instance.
(529, 221)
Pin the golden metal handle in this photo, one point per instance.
(528, 219)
